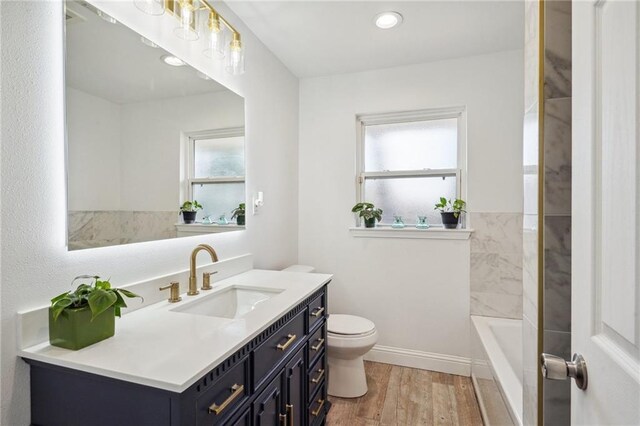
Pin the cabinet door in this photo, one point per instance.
(268, 406)
(295, 384)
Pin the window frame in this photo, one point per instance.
(191, 138)
(364, 120)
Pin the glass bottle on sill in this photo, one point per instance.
(422, 222)
(222, 220)
(397, 222)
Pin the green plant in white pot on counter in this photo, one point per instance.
(450, 211)
(369, 213)
(87, 315)
(239, 214)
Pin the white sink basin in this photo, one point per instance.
(232, 302)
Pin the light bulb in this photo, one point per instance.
(235, 57)
(388, 20)
(185, 30)
(150, 7)
(215, 37)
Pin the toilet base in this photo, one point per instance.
(347, 378)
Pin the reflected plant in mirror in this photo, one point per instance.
(166, 133)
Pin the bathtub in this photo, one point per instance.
(496, 369)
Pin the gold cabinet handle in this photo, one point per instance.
(290, 414)
(283, 347)
(317, 411)
(236, 391)
(283, 420)
(318, 346)
(317, 379)
(317, 312)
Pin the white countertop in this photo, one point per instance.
(156, 347)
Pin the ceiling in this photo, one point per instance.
(315, 38)
(109, 61)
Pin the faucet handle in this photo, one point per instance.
(206, 280)
(174, 296)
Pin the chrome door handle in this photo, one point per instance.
(556, 368)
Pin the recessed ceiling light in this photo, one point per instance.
(148, 42)
(387, 20)
(110, 19)
(203, 75)
(172, 60)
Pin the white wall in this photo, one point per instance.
(36, 263)
(94, 131)
(416, 291)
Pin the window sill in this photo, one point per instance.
(410, 232)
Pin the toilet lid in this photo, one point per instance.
(349, 324)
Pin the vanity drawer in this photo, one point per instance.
(267, 357)
(317, 376)
(317, 343)
(318, 406)
(317, 310)
(220, 401)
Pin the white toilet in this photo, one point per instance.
(348, 338)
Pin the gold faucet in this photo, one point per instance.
(193, 280)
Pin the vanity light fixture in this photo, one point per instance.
(172, 60)
(150, 7)
(388, 20)
(188, 12)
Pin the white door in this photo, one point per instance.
(605, 210)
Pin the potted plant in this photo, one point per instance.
(87, 315)
(189, 209)
(450, 212)
(239, 213)
(369, 213)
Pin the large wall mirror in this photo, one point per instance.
(145, 133)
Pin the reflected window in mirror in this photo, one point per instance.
(127, 113)
(216, 173)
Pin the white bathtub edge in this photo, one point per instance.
(506, 379)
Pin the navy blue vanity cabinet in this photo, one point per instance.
(278, 378)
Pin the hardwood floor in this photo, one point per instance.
(407, 396)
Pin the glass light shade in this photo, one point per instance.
(215, 38)
(150, 7)
(235, 57)
(186, 29)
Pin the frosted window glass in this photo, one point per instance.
(219, 157)
(218, 198)
(409, 197)
(431, 144)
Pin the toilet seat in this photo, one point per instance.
(345, 326)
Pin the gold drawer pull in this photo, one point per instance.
(236, 391)
(317, 379)
(317, 312)
(315, 413)
(290, 414)
(283, 347)
(318, 346)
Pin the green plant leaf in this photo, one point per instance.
(59, 297)
(60, 306)
(128, 293)
(100, 300)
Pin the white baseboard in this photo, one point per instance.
(449, 364)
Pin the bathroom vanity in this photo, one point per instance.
(177, 364)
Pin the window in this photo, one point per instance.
(406, 161)
(216, 171)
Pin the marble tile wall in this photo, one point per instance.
(556, 209)
(90, 229)
(496, 264)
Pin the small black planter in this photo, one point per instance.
(189, 217)
(240, 220)
(449, 220)
(370, 223)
